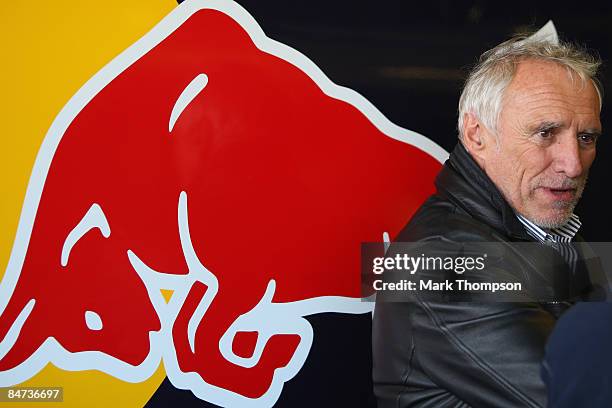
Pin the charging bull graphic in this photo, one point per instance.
(218, 164)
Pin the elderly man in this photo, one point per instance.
(528, 127)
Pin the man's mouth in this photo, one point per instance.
(565, 194)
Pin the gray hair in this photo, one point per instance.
(485, 85)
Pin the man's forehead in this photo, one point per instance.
(531, 73)
(549, 83)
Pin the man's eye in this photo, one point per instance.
(587, 138)
(545, 133)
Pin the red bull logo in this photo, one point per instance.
(216, 163)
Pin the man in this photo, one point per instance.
(528, 127)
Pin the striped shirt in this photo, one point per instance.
(559, 238)
(563, 234)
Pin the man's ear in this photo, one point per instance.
(475, 138)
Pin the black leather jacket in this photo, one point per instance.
(460, 354)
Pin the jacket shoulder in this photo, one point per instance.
(439, 218)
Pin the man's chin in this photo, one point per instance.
(553, 218)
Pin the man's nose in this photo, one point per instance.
(567, 156)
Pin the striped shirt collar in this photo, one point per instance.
(564, 233)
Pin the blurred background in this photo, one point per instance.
(410, 58)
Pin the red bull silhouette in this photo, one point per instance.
(212, 161)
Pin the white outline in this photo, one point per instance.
(192, 90)
(13, 333)
(161, 342)
(93, 218)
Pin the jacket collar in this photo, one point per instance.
(468, 186)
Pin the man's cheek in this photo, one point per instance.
(588, 162)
